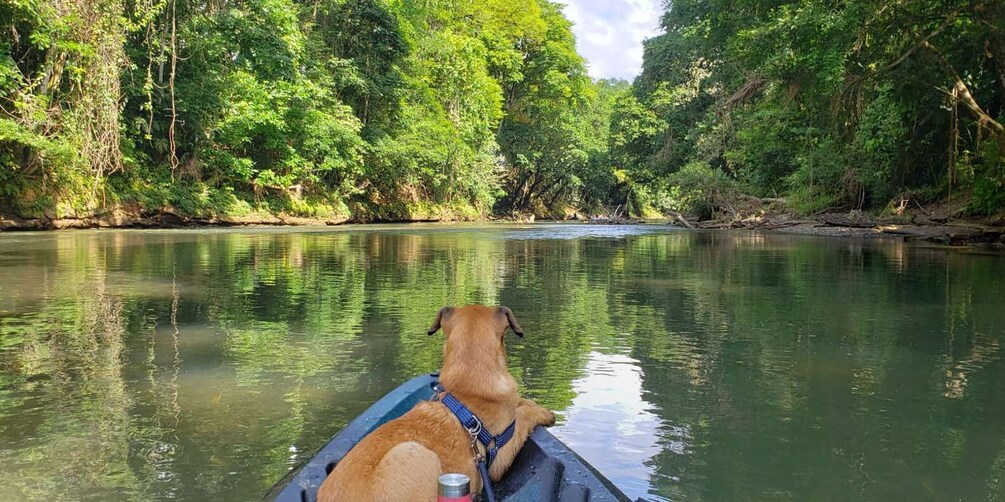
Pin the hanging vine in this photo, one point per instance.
(172, 146)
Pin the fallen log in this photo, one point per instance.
(682, 220)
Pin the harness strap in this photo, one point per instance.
(476, 429)
(501, 441)
(467, 419)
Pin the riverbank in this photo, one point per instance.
(934, 226)
(943, 223)
(133, 215)
(961, 232)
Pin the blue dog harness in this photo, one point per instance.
(478, 433)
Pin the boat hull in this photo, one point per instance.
(544, 470)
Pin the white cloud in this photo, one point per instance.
(609, 33)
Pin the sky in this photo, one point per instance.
(609, 33)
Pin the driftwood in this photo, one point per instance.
(751, 224)
(682, 220)
(615, 218)
(610, 220)
(782, 224)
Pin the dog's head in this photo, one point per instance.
(474, 346)
(476, 320)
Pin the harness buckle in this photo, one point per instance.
(475, 452)
(476, 429)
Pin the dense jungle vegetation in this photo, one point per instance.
(834, 104)
(395, 109)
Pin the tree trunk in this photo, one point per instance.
(529, 195)
(518, 188)
(558, 193)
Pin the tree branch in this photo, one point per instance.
(962, 92)
(910, 52)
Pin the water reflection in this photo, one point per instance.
(610, 424)
(200, 365)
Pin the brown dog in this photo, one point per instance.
(403, 458)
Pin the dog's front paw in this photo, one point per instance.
(547, 418)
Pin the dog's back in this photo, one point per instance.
(402, 459)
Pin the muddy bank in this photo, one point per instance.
(931, 228)
(953, 233)
(944, 222)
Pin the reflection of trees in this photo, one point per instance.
(562, 303)
(300, 306)
(821, 347)
(125, 325)
(410, 277)
(65, 356)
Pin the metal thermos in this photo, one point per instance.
(454, 488)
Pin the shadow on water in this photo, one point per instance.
(200, 365)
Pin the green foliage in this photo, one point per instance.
(38, 173)
(831, 104)
(392, 108)
(989, 181)
(635, 131)
(805, 199)
(700, 190)
(820, 179)
(546, 130)
(878, 146)
(596, 178)
(285, 135)
(190, 197)
(15, 137)
(397, 108)
(764, 150)
(695, 189)
(368, 34)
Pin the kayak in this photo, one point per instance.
(544, 470)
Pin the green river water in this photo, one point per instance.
(203, 364)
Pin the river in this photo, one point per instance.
(203, 364)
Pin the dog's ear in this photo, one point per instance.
(439, 318)
(515, 326)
